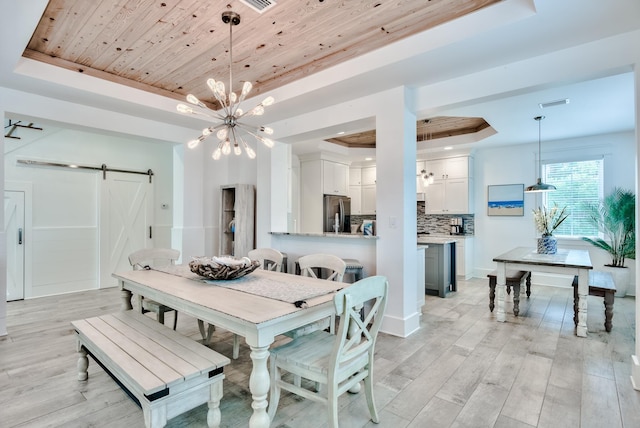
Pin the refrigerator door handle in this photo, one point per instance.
(341, 213)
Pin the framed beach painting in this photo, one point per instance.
(505, 200)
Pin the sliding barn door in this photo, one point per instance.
(14, 228)
(126, 219)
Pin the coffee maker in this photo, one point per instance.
(457, 226)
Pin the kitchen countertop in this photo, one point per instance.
(436, 240)
(327, 235)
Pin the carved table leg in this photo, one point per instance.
(259, 386)
(608, 310)
(125, 295)
(575, 301)
(583, 292)
(501, 278)
(83, 363)
(213, 414)
(492, 293)
(528, 282)
(516, 299)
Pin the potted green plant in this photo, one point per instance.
(615, 218)
(548, 220)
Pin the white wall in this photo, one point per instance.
(517, 164)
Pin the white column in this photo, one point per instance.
(188, 233)
(396, 208)
(635, 359)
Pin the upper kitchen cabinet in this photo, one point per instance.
(335, 178)
(368, 175)
(450, 193)
(442, 169)
(355, 176)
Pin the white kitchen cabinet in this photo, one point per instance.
(448, 197)
(447, 168)
(450, 192)
(369, 199)
(335, 178)
(355, 176)
(368, 175)
(355, 193)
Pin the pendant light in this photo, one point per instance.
(540, 186)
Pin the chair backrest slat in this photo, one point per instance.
(270, 259)
(357, 337)
(153, 257)
(335, 264)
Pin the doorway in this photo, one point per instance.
(14, 226)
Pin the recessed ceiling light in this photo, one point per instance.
(447, 148)
(341, 133)
(554, 103)
(368, 159)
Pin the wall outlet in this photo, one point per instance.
(392, 222)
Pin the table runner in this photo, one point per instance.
(290, 292)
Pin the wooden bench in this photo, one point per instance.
(165, 373)
(601, 284)
(514, 279)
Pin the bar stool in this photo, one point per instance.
(355, 268)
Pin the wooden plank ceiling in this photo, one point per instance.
(426, 130)
(171, 47)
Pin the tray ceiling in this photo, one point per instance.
(171, 47)
(426, 129)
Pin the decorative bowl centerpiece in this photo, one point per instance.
(223, 268)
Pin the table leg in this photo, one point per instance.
(125, 295)
(501, 285)
(516, 299)
(583, 293)
(608, 309)
(492, 293)
(259, 386)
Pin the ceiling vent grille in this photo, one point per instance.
(259, 6)
(554, 103)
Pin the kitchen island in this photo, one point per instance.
(440, 264)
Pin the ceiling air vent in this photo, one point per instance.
(259, 6)
(554, 103)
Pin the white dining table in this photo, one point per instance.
(256, 318)
(566, 261)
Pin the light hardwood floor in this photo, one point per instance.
(461, 369)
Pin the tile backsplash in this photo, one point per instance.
(435, 224)
(439, 224)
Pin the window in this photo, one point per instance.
(578, 183)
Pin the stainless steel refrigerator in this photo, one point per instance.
(340, 206)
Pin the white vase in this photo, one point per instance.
(621, 277)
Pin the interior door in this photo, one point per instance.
(126, 218)
(14, 229)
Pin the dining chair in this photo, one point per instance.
(270, 259)
(154, 257)
(334, 267)
(339, 361)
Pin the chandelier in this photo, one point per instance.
(229, 127)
